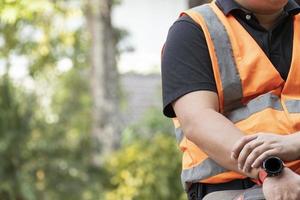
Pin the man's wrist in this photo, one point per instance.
(297, 145)
(253, 174)
(271, 167)
(293, 141)
(262, 175)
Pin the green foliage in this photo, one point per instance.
(146, 169)
(45, 146)
(148, 165)
(16, 117)
(47, 160)
(64, 146)
(45, 143)
(38, 31)
(151, 124)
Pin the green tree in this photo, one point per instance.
(16, 117)
(146, 169)
(148, 165)
(45, 145)
(104, 78)
(36, 30)
(45, 139)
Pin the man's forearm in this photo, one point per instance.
(296, 145)
(215, 135)
(209, 130)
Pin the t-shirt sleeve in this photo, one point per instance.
(186, 66)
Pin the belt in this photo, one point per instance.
(198, 190)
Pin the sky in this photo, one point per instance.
(147, 23)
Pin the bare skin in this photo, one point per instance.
(266, 7)
(251, 151)
(266, 11)
(283, 187)
(198, 113)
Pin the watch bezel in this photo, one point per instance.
(273, 166)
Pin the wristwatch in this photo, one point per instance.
(271, 167)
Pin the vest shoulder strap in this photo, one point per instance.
(225, 68)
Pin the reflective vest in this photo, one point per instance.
(251, 92)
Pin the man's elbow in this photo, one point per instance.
(195, 127)
(190, 132)
(192, 127)
(194, 132)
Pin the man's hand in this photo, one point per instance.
(250, 151)
(283, 187)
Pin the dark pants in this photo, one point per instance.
(198, 190)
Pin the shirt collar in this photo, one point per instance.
(227, 6)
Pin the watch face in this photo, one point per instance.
(273, 166)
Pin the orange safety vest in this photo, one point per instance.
(251, 92)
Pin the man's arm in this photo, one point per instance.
(207, 128)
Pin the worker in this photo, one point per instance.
(231, 84)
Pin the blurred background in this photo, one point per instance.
(80, 100)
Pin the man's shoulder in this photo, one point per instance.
(185, 19)
(187, 28)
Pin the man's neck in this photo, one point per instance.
(268, 20)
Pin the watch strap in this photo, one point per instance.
(262, 175)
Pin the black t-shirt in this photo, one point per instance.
(186, 64)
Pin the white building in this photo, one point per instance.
(147, 23)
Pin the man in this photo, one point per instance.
(230, 74)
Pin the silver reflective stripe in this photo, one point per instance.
(179, 135)
(205, 169)
(255, 105)
(231, 81)
(293, 106)
(254, 193)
